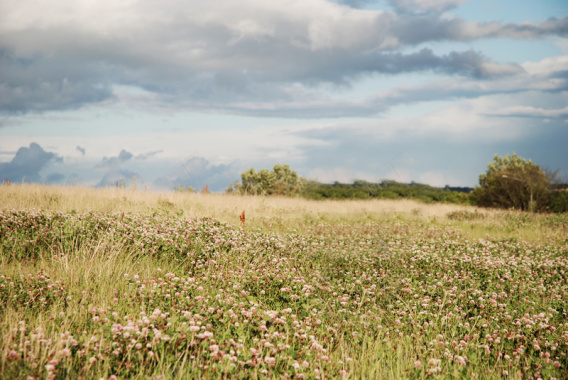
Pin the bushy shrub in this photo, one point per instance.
(281, 181)
(513, 182)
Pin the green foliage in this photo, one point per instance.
(558, 201)
(280, 181)
(30, 293)
(284, 181)
(383, 190)
(31, 235)
(513, 182)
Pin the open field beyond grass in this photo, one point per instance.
(118, 283)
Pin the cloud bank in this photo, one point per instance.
(218, 56)
(28, 163)
(336, 89)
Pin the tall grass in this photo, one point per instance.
(285, 214)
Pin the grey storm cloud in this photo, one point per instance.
(469, 63)
(40, 83)
(55, 178)
(499, 79)
(416, 29)
(216, 56)
(28, 163)
(113, 162)
(410, 6)
(356, 3)
(373, 146)
(118, 177)
(421, 6)
(115, 171)
(116, 174)
(533, 112)
(147, 155)
(198, 172)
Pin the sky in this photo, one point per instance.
(157, 94)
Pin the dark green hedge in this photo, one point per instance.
(558, 201)
(383, 190)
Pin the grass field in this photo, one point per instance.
(117, 283)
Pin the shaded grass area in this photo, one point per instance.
(159, 295)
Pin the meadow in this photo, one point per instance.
(118, 283)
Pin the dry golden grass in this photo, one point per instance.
(224, 207)
(278, 214)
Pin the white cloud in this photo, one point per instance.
(226, 56)
(547, 66)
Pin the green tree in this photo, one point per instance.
(280, 181)
(513, 182)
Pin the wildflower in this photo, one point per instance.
(460, 360)
(13, 355)
(434, 362)
(205, 335)
(417, 364)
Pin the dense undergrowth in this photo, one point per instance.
(121, 295)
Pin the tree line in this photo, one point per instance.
(509, 182)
